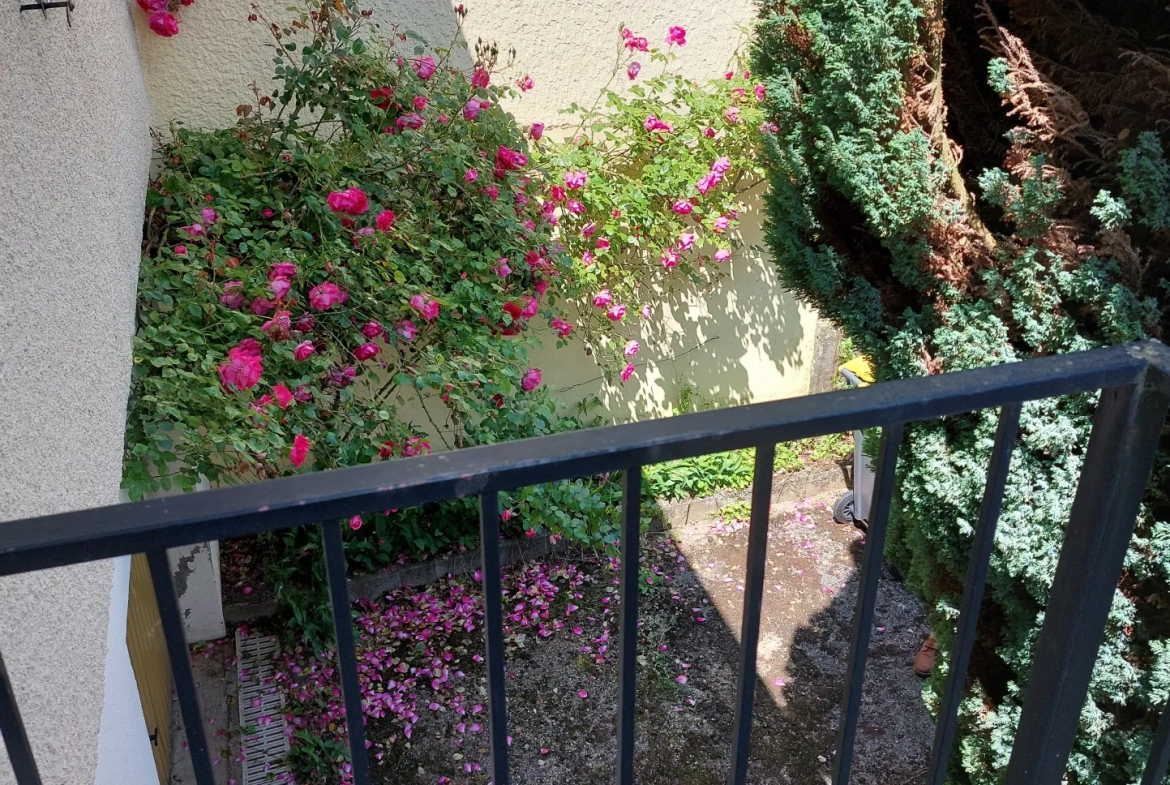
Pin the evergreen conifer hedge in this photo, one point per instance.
(960, 184)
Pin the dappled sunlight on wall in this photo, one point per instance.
(743, 340)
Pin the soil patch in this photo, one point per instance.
(562, 669)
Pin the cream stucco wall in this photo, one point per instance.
(74, 152)
(744, 341)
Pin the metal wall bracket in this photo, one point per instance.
(44, 5)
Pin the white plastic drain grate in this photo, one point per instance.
(266, 747)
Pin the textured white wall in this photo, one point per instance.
(74, 153)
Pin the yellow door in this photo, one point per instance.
(152, 667)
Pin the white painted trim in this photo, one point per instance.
(124, 753)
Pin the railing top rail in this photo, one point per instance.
(86, 535)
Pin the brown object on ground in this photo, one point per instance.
(925, 659)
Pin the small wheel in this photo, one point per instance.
(843, 509)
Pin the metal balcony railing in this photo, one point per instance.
(1134, 381)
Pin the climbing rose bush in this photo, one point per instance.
(368, 236)
(648, 189)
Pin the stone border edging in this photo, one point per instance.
(786, 487)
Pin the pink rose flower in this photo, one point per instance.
(587, 258)
(193, 230)
(385, 220)
(588, 229)
(627, 372)
(305, 323)
(267, 212)
(615, 312)
(509, 159)
(426, 307)
(163, 23)
(407, 329)
(633, 71)
(760, 91)
(525, 84)
(471, 175)
(279, 287)
(686, 241)
(492, 191)
(541, 287)
(575, 179)
(355, 522)
(721, 224)
(242, 370)
(299, 451)
(351, 201)
(682, 207)
(480, 79)
(722, 255)
(209, 215)
(731, 115)
(562, 327)
(646, 311)
(303, 351)
(709, 132)
(232, 296)
(574, 207)
(279, 326)
(536, 131)
(531, 307)
(283, 395)
(602, 298)
(668, 258)
(708, 181)
(381, 96)
(366, 351)
(531, 380)
(676, 35)
(637, 44)
(631, 349)
(502, 269)
(424, 67)
(415, 445)
(652, 124)
(721, 165)
(261, 306)
(413, 121)
(471, 109)
(557, 193)
(282, 270)
(325, 295)
(372, 330)
(603, 243)
(420, 102)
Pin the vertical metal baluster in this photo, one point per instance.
(1159, 760)
(1121, 450)
(867, 586)
(753, 599)
(493, 608)
(24, 765)
(172, 625)
(628, 622)
(984, 543)
(351, 689)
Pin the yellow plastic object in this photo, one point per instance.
(859, 367)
